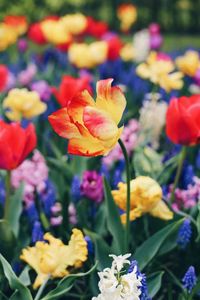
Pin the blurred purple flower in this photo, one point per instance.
(92, 186)
(42, 88)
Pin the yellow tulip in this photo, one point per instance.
(88, 56)
(127, 52)
(91, 125)
(188, 63)
(21, 103)
(160, 72)
(146, 197)
(54, 259)
(55, 32)
(8, 36)
(75, 23)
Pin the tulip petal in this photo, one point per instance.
(162, 211)
(62, 125)
(85, 147)
(99, 123)
(110, 99)
(77, 105)
(181, 128)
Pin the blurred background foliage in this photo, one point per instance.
(177, 16)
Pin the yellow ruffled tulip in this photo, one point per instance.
(188, 63)
(53, 259)
(88, 56)
(75, 23)
(21, 103)
(160, 72)
(146, 197)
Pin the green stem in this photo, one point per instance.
(7, 200)
(41, 289)
(128, 202)
(178, 172)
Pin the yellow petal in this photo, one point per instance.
(162, 211)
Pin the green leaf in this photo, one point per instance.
(168, 168)
(113, 220)
(24, 276)
(102, 250)
(15, 210)
(66, 284)
(7, 239)
(147, 251)
(14, 282)
(154, 282)
(79, 164)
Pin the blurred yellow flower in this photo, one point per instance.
(160, 71)
(127, 52)
(146, 197)
(127, 14)
(21, 103)
(75, 23)
(55, 31)
(53, 259)
(8, 36)
(188, 63)
(88, 56)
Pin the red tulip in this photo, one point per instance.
(3, 77)
(36, 35)
(69, 87)
(96, 28)
(114, 47)
(183, 120)
(15, 144)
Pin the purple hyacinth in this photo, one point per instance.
(75, 188)
(184, 234)
(92, 186)
(90, 245)
(190, 279)
(37, 232)
(144, 289)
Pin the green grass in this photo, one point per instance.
(178, 42)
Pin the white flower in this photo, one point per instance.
(131, 284)
(152, 120)
(108, 282)
(141, 44)
(114, 286)
(119, 261)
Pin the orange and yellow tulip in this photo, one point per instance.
(91, 126)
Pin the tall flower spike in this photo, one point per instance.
(184, 234)
(189, 280)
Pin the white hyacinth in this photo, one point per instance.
(152, 119)
(114, 285)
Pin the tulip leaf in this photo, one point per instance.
(15, 209)
(21, 291)
(154, 282)
(66, 284)
(7, 239)
(146, 252)
(113, 220)
(102, 250)
(198, 223)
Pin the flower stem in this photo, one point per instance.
(41, 289)
(128, 200)
(7, 200)
(178, 172)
